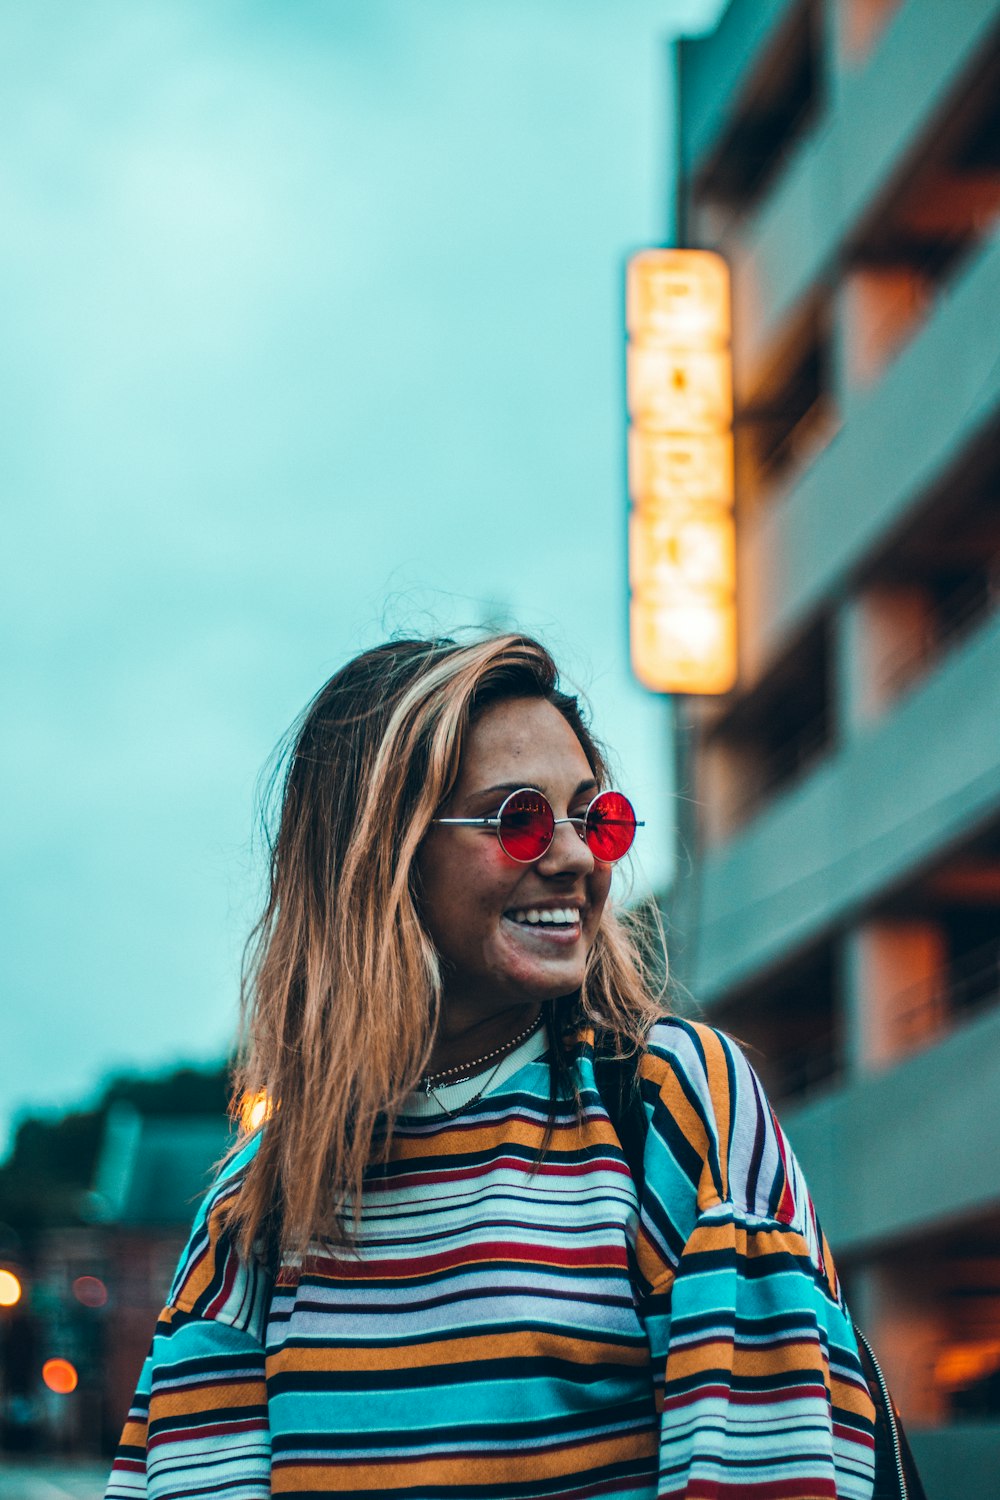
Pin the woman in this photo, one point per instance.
(427, 1274)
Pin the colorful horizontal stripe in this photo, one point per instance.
(516, 1331)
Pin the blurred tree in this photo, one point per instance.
(51, 1164)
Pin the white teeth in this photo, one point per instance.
(558, 916)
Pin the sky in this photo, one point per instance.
(312, 333)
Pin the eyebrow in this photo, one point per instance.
(517, 786)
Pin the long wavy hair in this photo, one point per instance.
(342, 985)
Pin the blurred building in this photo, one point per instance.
(839, 904)
(152, 1174)
(98, 1290)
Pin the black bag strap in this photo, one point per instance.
(617, 1079)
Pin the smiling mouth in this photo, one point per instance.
(548, 919)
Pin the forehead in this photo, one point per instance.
(525, 739)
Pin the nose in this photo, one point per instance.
(568, 853)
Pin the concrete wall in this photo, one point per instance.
(922, 1140)
(839, 172)
(714, 69)
(971, 1450)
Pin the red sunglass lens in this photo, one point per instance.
(527, 824)
(610, 826)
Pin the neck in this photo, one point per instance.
(462, 1038)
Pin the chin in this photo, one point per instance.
(544, 987)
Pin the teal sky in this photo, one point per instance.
(312, 332)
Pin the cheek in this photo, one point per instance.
(600, 889)
(485, 887)
(463, 892)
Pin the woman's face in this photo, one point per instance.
(476, 901)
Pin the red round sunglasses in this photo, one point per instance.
(525, 825)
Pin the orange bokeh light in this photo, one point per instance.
(60, 1376)
(10, 1289)
(961, 1364)
(254, 1110)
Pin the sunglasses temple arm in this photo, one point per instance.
(471, 822)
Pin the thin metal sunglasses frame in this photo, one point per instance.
(580, 822)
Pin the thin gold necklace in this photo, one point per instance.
(469, 1068)
(453, 1114)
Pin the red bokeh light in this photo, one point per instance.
(90, 1290)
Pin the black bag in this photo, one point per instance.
(896, 1476)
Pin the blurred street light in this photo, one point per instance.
(10, 1289)
(90, 1291)
(60, 1376)
(254, 1110)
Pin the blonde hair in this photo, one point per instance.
(342, 986)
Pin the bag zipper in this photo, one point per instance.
(894, 1430)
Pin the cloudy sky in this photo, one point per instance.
(312, 332)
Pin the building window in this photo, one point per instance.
(860, 26)
(940, 582)
(790, 1024)
(917, 239)
(791, 414)
(770, 737)
(930, 961)
(933, 1311)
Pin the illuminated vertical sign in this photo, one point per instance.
(682, 555)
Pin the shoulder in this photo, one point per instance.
(706, 1065)
(674, 1043)
(706, 1103)
(212, 1280)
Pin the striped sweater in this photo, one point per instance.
(516, 1331)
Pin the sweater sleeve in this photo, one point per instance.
(759, 1384)
(198, 1423)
